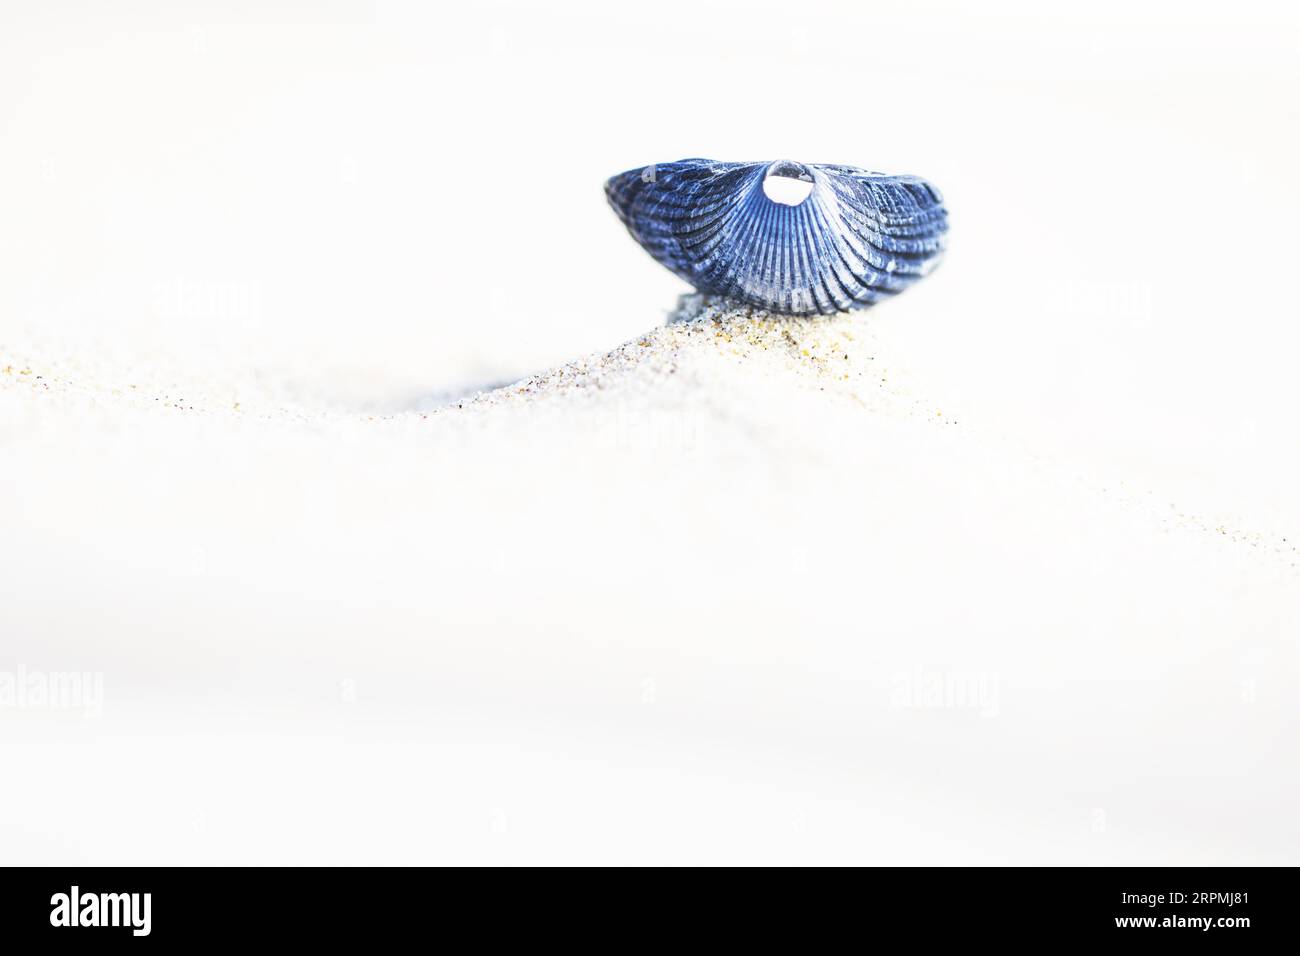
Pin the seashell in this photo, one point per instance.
(855, 238)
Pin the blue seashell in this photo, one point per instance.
(856, 238)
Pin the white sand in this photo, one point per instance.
(738, 590)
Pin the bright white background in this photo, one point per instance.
(249, 178)
(365, 205)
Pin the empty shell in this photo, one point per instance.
(855, 238)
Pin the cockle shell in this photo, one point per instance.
(856, 238)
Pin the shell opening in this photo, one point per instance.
(787, 183)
